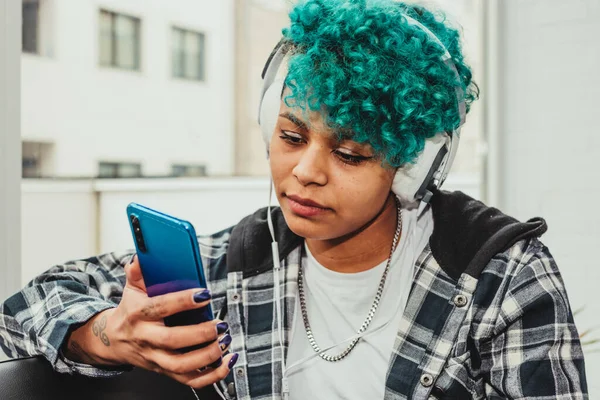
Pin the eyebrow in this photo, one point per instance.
(295, 120)
(344, 134)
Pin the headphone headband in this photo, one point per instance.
(269, 72)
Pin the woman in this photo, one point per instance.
(382, 286)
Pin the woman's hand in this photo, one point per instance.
(134, 334)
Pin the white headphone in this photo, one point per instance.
(413, 182)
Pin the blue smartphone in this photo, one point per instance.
(168, 253)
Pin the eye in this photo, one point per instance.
(350, 159)
(292, 138)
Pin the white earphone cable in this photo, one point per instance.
(216, 390)
(276, 283)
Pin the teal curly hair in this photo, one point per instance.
(376, 78)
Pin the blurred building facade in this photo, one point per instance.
(127, 88)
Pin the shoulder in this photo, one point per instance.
(213, 253)
(523, 283)
(246, 246)
(215, 245)
(524, 258)
(468, 234)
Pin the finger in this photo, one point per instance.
(133, 273)
(182, 363)
(211, 376)
(187, 377)
(160, 307)
(178, 337)
(225, 342)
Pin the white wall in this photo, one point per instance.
(58, 223)
(550, 138)
(10, 149)
(96, 113)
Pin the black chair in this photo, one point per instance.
(34, 378)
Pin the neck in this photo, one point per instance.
(360, 250)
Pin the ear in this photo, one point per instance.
(269, 111)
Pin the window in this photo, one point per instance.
(188, 170)
(30, 27)
(119, 41)
(119, 170)
(36, 159)
(188, 54)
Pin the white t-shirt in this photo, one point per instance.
(337, 305)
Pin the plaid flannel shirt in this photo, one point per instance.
(506, 333)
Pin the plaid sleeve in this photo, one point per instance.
(37, 320)
(534, 351)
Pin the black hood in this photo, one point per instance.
(467, 233)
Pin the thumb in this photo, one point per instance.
(133, 273)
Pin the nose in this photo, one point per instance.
(312, 165)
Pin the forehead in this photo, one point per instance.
(314, 121)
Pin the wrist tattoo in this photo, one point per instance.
(98, 329)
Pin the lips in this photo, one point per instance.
(305, 208)
(306, 202)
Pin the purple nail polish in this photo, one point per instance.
(204, 295)
(225, 342)
(222, 327)
(233, 360)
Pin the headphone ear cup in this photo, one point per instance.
(412, 180)
(269, 111)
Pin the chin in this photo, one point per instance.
(309, 228)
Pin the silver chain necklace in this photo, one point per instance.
(370, 315)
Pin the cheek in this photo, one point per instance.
(279, 163)
(364, 192)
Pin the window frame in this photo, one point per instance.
(113, 41)
(37, 28)
(117, 165)
(10, 147)
(186, 169)
(202, 62)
